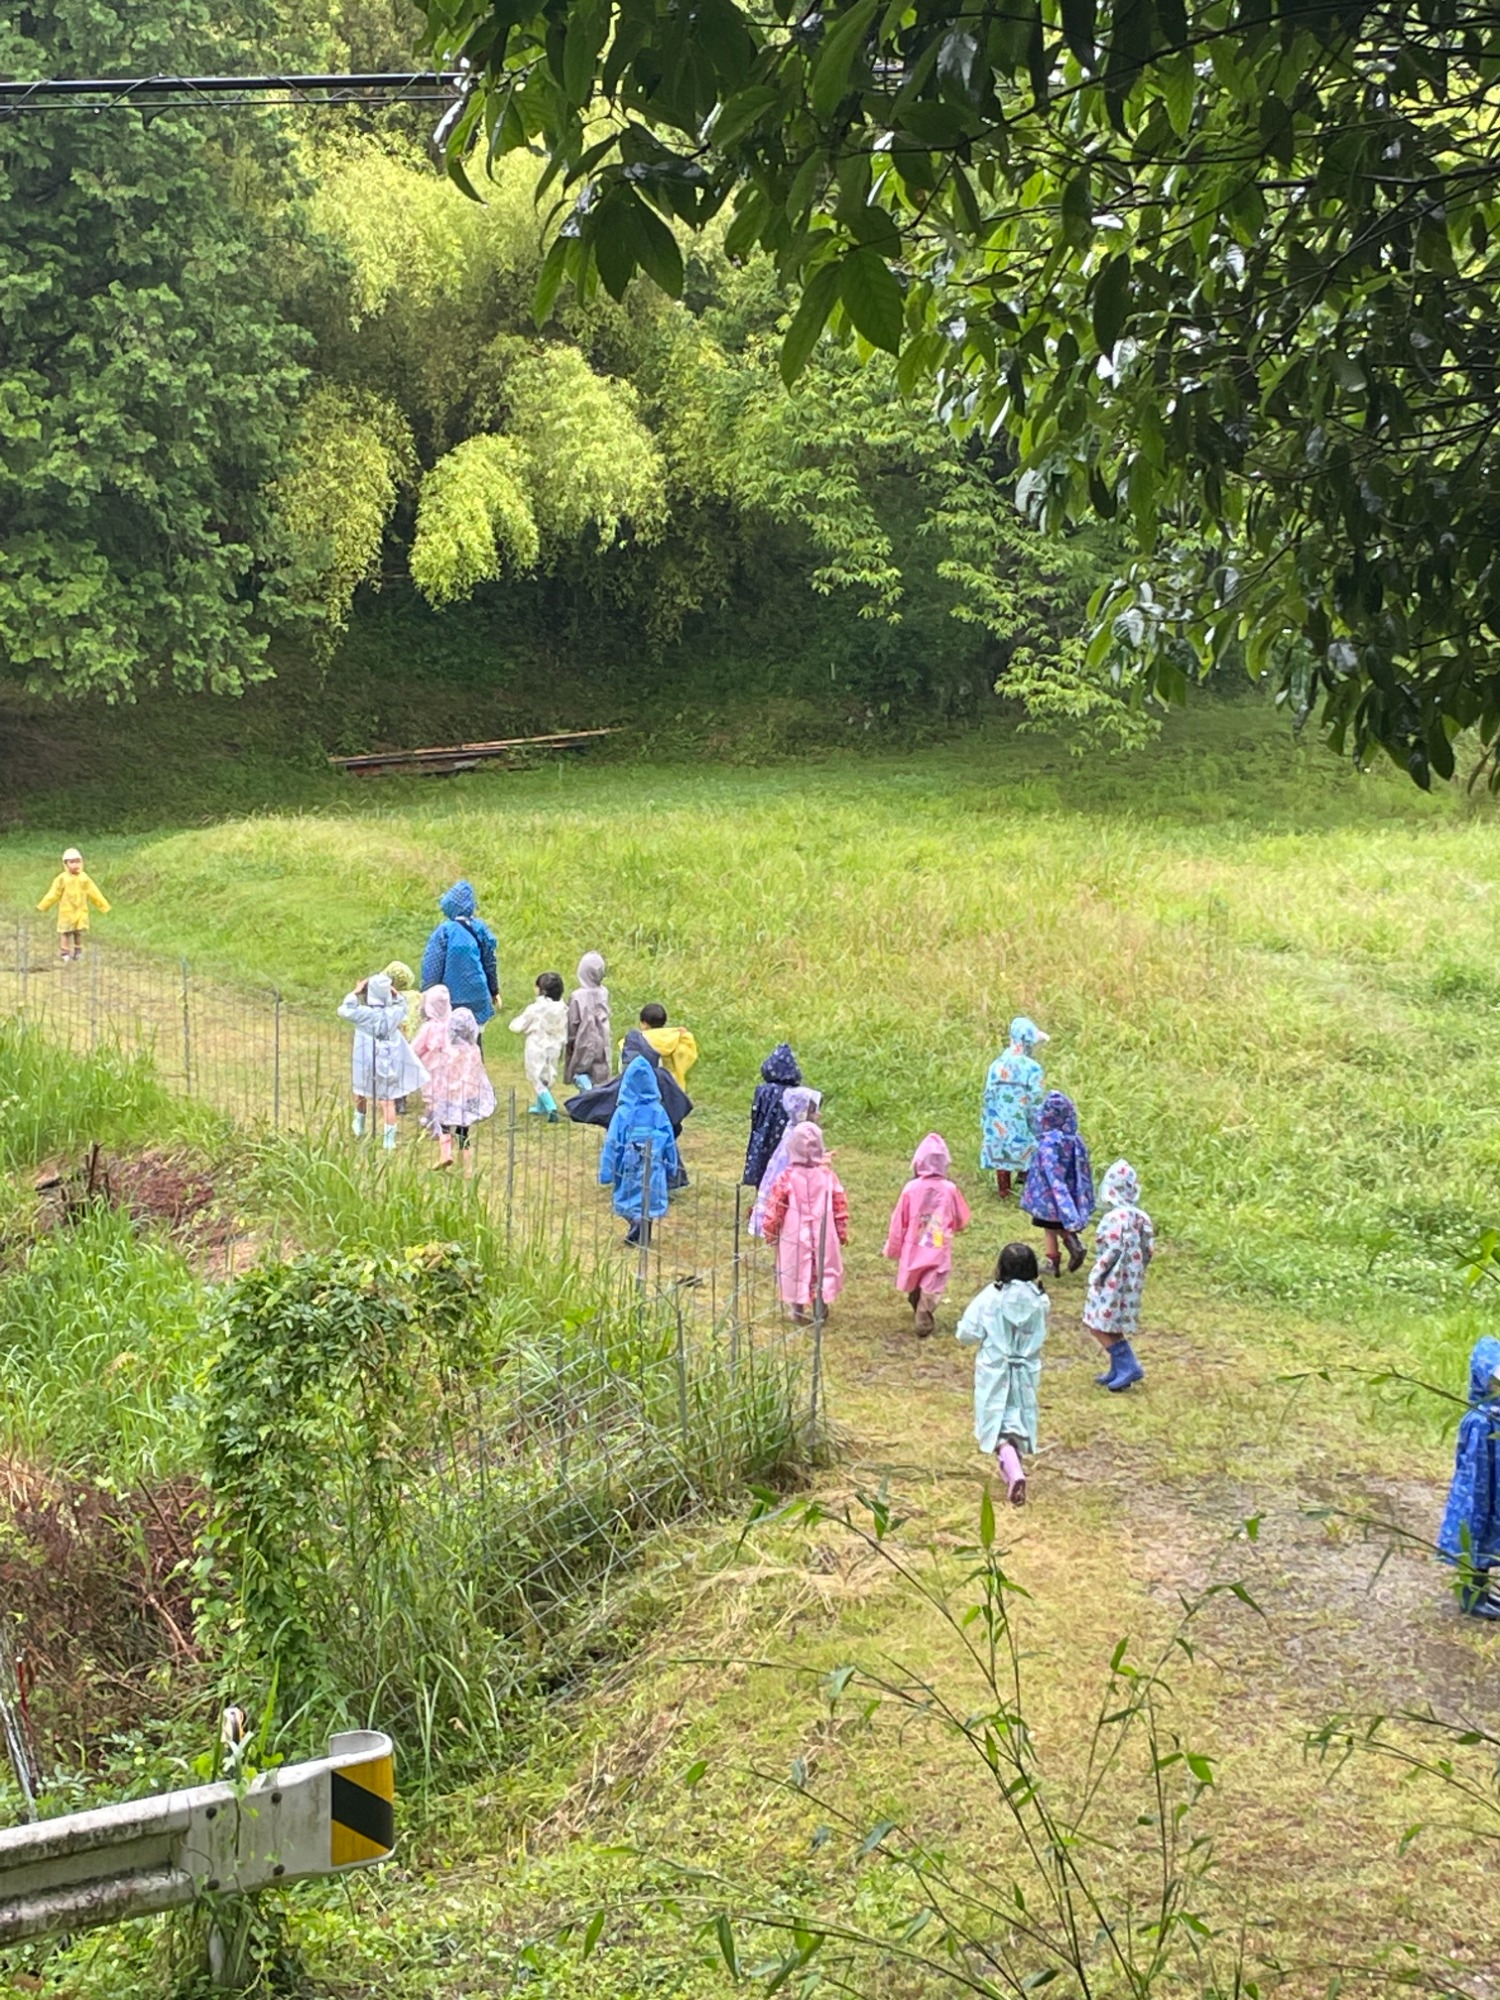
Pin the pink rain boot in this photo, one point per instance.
(1011, 1472)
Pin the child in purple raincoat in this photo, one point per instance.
(1059, 1190)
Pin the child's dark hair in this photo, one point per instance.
(1017, 1260)
(550, 984)
(653, 1015)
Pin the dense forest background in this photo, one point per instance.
(282, 402)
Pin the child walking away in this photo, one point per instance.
(807, 1218)
(586, 1058)
(1059, 1190)
(72, 892)
(1009, 1121)
(1007, 1322)
(430, 1044)
(639, 1128)
(778, 1074)
(462, 1095)
(928, 1216)
(1123, 1247)
(1470, 1534)
(677, 1047)
(801, 1104)
(545, 1025)
(384, 1067)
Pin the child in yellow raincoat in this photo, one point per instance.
(72, 892)
(677, 1047)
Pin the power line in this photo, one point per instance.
(371, 87)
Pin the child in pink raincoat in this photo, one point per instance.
(429, 1045)
(807, 1219)
(462, 1094)
(928, 1216)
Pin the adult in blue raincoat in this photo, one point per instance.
(1010, 1120)
(1470, 1534)
(460, 955)
(640, 1130)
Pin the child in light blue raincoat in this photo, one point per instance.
(1011, 1118)
(639, 1122)
(1470, 1534)
(1007, 1322)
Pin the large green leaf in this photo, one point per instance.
(818, 296)
(830, 76)
(872, 297)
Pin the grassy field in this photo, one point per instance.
(1271, 983)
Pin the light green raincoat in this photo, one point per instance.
(1008, 1324)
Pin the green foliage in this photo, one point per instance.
(1215, 285)
(147, 378)
(474, 517)
(591, 462)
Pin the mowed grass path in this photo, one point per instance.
(1272, 983)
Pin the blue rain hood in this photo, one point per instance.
(638, 1087)
(1484, 1365)
(1470, 1530)
(460, 901)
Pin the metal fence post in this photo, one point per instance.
(25, 955)
(682, 1395)
(276, 1061)
(820, 1313)
(643, 1226)
(93, 996)
(510, 1170)
(187, 1034)
(734, 1277)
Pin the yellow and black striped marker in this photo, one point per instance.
(362, 1816)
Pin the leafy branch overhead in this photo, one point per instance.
(1225, 276)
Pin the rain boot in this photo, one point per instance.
(1011, 1472)
(1126, 1370)
(359, 1124)
(546, 1103)
(445, 1152)
(925, 1321)
(1474, 1598)
(1002, 1183)
(1076, 1251)
(388, 1138)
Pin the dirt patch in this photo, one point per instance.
(153, 1186)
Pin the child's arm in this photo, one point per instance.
(96, 896)
(523, 1023)
(53, 895)
(840, 1213)
(776, 1207)
(669, 1155)
(687, 1051)
(1148, 1241)
(970, 1329)
(609, 1157)
(896, 1234)
(961, 1216)
(486, 943)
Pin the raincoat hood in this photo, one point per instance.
(1058, 1114)
(1121, 1188)
(1025, 1034)
(1484, 1365)
(805, 1145)
(635, 1048)
(462, 1026)
(71, 854)
(781, 1066)
(932, 1159)
(638, 1087)
(378, 990)
(401, 976)
(460, 901)
(591, 968)
(801, 1103)
(437, 1003)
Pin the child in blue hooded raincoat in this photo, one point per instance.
(460, 954)
(1009, 1120)
(639, 1121)
(1059, 1190)
(1470, 1534)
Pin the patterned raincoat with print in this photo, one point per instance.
(1059, 1186)
(800, 1104)
(639, 1123)
(926, 1219)
(807, 1219)
(778, 1073)
(1011, 1117)
(462, 1094)
(1471, 1521)
(383, 1064)
(1123, 1248)
(460, 954)
(1008, 1324)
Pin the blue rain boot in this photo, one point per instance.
(1474, 1598)
(1127, 1369)
(583, 1083)
(546, 1103)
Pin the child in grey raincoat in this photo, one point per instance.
(1007, 1322)
(383, 1067)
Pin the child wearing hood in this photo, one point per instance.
(800, 1104)
(928, 1216)
(586, 1059)
(807, 1218)
(1012, 1106)
(72, 891)
(677, 1047)
(1007, 1322)
(430, 1044)
(779, 1073)
(462, 1094)
(1059, 1190)
(639, 1125)
(1123, 1247)
(384, 1067)
(1470, 1533)
(545, 1025)
(460, 954)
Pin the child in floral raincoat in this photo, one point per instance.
(928, 1216)
(639, 1143)
(808, 1221)
(1123, 1247)
(1059, 1190)
(779, 1073)
(1007, 1322)
(430, 1044)
(545, 1025)
(1009, 1121)
(1470, 1534)
(462, 1094)
(72, 891)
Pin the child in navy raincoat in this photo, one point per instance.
(1470, 1534)
(1059, 1190)
(640, 1123)
(779, 1073)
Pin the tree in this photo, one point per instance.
(148, 383)
(1224, 272)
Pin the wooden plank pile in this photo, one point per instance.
(443, 760)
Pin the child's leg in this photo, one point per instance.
(445, 1149)
(1002, 1183)
(1012, 1473)
(1049, 1238)
(361, 1106)
(388, 1118)
(927, 1305)
(465, 1150)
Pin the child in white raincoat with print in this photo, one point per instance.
(1112, 1310)
(384, 1067)
(1007, 1322)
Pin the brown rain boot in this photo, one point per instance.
(925, 1322)
(1002, 1183)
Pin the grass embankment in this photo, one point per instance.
(1269, 982)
